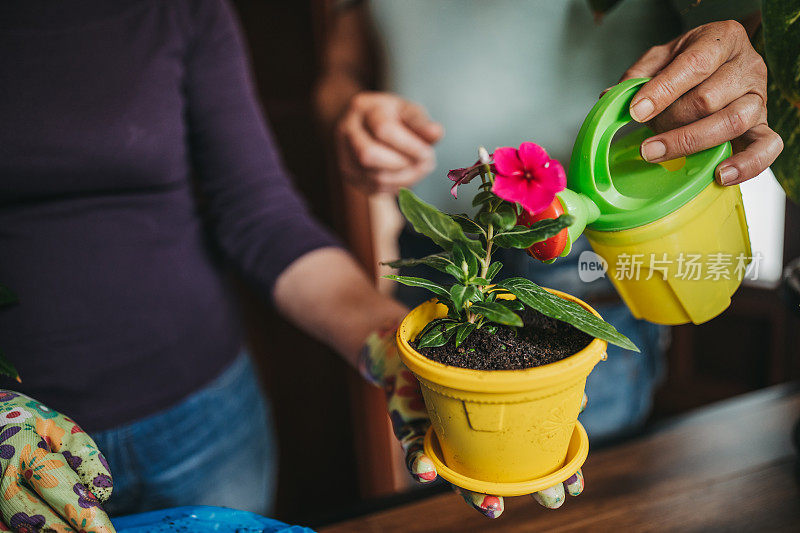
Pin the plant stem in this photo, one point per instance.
(487, 260)
(486, 170)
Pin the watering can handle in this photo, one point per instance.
(589, 169)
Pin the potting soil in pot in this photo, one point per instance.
(540, 341)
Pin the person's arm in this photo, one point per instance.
(256, 218)
(381, 141)
(329, 296)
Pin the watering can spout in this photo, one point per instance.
(583, 210)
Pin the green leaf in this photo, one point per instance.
(784, 119)
(420, 282)
(463, 331)
(453, 314)
(551, 305)
(7, 297)
(496, 313)
(465, 260)
(456, 272)
(467, 224)
(491, 329)
(479, 281)
(432, 223)
(438, 261)
(508, 216)
(432, 324)
(781, 25)
(490, 218)
(437, 335)
(460, 294)
(514, 305)
(483, 197)
(7, 369)
(778, 41)
(494, 268)
(524, 237)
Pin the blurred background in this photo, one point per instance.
(355, 458)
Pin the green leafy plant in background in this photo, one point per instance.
(778, 41)
(6, 368)
(474, 300)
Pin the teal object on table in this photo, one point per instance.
(202, 519)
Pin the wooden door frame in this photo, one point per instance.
(375, 446)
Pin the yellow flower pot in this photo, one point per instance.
(500, 426)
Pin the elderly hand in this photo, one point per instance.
(380, 364)
(384, 142)
(53, 476)
(709, 86)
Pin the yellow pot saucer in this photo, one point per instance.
(576, 455)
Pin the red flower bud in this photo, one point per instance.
(552, 247)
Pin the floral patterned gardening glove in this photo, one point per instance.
(53, 476)
(380, 364)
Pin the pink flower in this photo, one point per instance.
(464, 175)
(527, 176)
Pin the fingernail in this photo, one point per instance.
(653, 150)
(423, 469)
(574, 484)
(488, 506)
(727, 174)
(642, 110)
(552, 498)
(491, 507)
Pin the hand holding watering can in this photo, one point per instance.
(658, 226)
(709, 86)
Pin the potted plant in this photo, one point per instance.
(502, 363)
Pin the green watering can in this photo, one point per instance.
(675, 243)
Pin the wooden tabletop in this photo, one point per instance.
(728, 467)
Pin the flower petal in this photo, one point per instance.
(530, 194)
(462, 175)
(458, 174)
(552, 176)
(507, 161)
(510, 187)
(537, 197)
(532, 156)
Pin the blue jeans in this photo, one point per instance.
(620, 389)
(214, 448)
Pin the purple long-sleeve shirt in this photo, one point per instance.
(115, 116)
